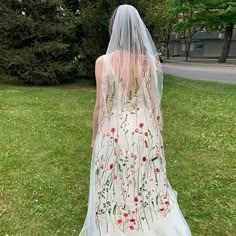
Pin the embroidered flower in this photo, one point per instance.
(146, 133)
(157, 170)
(108, 134)
(136, 199)
(125, 214)
(141, 125)
(158, 117)
(167, 202)
(136, 130)
(111, 166)
(144, 158)
(119, 221)
(113, 130)
(116, 140)
(146, 143)
(131, 227)
(162, 209)
(115, 176)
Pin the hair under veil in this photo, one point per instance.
(132, 73)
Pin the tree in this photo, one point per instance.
(36, 38)
(219, 15)
(187, 25)
(159, 19)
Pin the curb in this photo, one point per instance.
(200, 63)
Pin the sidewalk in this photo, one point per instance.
(201, 61)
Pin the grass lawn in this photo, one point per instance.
(45, 135)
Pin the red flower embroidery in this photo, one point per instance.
(133, 220)
(136, 199)
(141, 125)
(131, 227)
(119, 221)
(167, 202)
(113, 130)
(144, 158)
(116, 140)
(125, 214)
(146, 144)
(146, 133)
(111, 166)
(162, 209)
(157, 170)
(115, 176)
(158, 117)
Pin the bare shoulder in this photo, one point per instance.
(99, 67)
(100, 60)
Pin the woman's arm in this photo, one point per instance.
(98, 75)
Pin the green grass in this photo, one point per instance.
(45, 136)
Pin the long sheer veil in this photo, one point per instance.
(132, 73)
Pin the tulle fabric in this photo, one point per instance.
(172, 223)
(129, 193)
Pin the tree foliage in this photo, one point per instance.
(214, 15)
(36, 41)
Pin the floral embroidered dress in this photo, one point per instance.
(130, 194)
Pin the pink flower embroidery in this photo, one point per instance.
(157, 170)
(146, 144)
(108, 134)
(133, 220)
(116, 140)
(144, 158)
(115, 176)
(161, 209)
(167, 202)
(141, 125)
(113, 130)
(119, 221)
(146, 133)
(136, 130)
(131, 227)
(158, 117)
(136, 199)
(111, 166)
(125, 214)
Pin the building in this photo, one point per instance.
(204, 44)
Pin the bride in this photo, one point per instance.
(130, 194)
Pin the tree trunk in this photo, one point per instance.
(226, 45)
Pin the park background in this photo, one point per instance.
(47, 95)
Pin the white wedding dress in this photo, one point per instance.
(129, 193)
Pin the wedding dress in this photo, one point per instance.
(129, 193)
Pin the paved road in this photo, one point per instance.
(226, 73)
